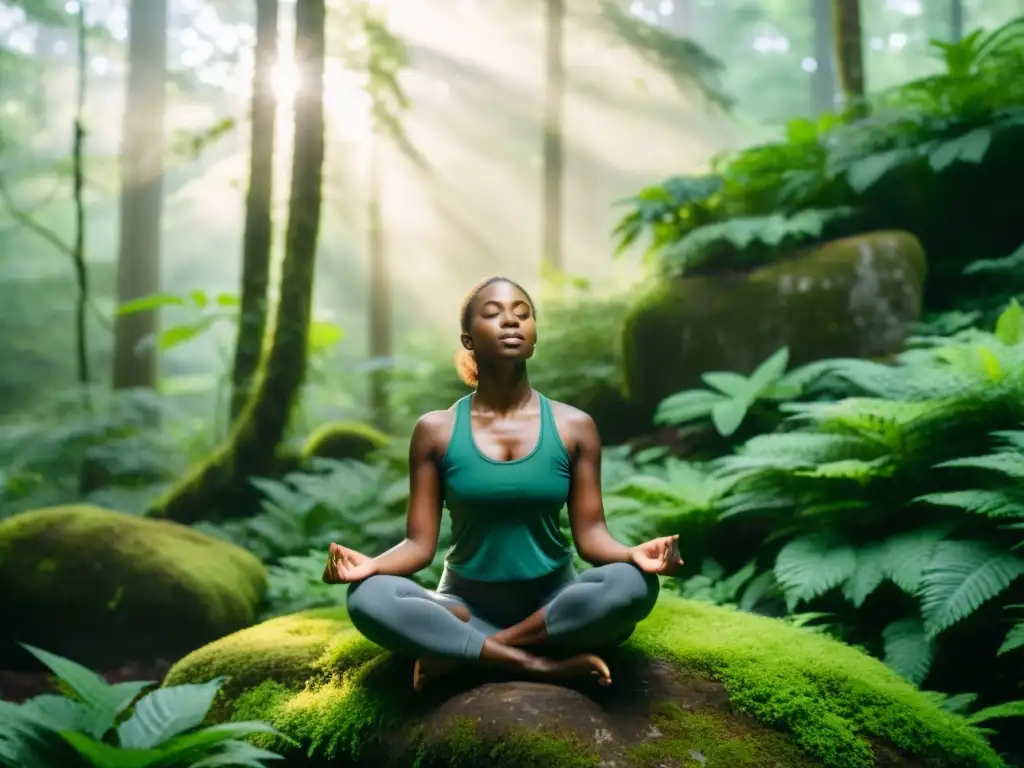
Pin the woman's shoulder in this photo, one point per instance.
(434, 429)
(571, 420)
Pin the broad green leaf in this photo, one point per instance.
(101, 755)
(960, 577)
(729, 384)
(216, 736)
(200, 299)
(238, 754)
(1014, 639)
(728, 415)
(168, 712)
(228, 300)
(177, 335)
(908, 651)
(149, 303)
(92, 689)
(1010, 325)
(686, 406)
(768, 373)
(908, 556)
(62, 713)
(969, 148)
(868, 171)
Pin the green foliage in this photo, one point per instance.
(99, 725)
(819, 181)
(735, 396)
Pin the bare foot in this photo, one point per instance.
(430, 668)
(574, 667)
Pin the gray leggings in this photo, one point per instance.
(592, 610)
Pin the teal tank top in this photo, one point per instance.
(505, 515)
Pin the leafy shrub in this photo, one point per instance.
(99, 725)
(896, 515)
(822, 179)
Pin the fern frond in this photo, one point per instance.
(960, 577)
(1009, 709)
(908, 650)
(1009, 464)
(955, 704)
(811, 565)
(908, 554)
(797, 450)
(978, 501)
(850, 469)
(870, 573)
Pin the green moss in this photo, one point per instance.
(342, 441)
(711, 740)
(100, 586)
(340, 694)
(853, 297)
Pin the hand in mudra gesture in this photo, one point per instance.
(345, 565)
(659, 555)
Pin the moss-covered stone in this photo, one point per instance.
(104, 588)
(341, 441)
(716, 687)
(854, 297)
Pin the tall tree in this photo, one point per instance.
(257, 241)
(849, 45)
(823, 80)
(138, 260)
(552, 212)
(956, 20)
(220, 486)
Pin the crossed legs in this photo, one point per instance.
(599, 609)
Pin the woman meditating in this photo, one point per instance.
(504, 460)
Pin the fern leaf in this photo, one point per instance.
(960, 577)
(908, 650)
(1009, 709)
(870, 573)
(809, 566)
(850, 469)
(978, 501)
(1009, 464)
(908, 554)
(1014, 639)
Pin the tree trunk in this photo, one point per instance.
(956, 20)
(849, 47)
(138, 259)
(220, 487)
(823, 81)
(554, 150)
(257, 241)
(380, 340)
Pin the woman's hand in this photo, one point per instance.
(345, 566)
(659, 556)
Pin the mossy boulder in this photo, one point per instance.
(105, 588)
(344, 441)
(696, 685)
(854, 297)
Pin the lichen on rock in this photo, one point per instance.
(104, 587)
(854, 297)
(696, 685)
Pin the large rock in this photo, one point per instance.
(696, 686)
(104, 588)
(854, 297)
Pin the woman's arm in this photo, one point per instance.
(423, 523)
(594, 542)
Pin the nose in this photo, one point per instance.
(509, 320)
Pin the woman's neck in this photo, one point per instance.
(503, 391)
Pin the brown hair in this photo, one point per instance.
(465, 361)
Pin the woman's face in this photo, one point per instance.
(501, 325)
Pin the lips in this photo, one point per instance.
(511, 337)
